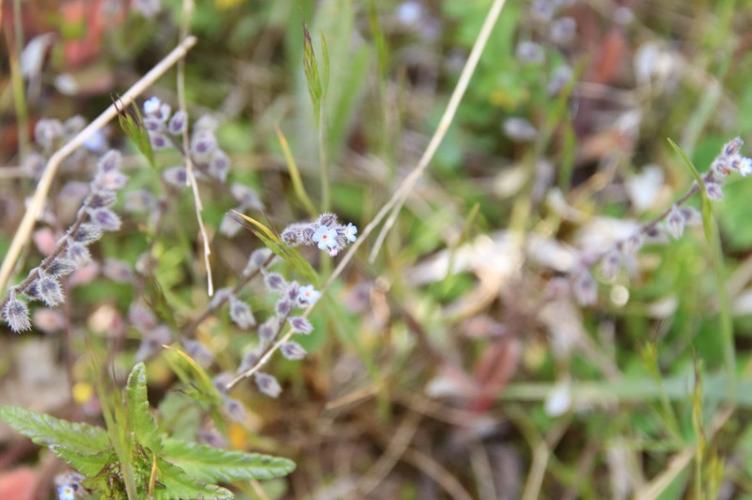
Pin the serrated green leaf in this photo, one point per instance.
(50, 431)
(83, 446)
(173, 482)
(141, 422)
(215, 465)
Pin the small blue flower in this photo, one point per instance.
(152, 105)
(351, 232)
(308, 295)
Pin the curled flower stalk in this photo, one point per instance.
(671, 222)
(93, 219)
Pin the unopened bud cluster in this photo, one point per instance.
(671, 223)
(94, 218)
(325, 232)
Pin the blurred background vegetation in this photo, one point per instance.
(444, 367)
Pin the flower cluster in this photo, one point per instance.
(94, 218)
(325, 232)
(670, 223)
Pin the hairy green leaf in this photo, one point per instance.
(216, 465)
(173, 482)
(141, 422)
(83, 446)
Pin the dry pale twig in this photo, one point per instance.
(23, 233)
(395, 204)
(190, 177)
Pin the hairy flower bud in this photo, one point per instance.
(241, 313)
(16, 314)
(300, 324)
(177, 123)
(292, 351)
(675, 223)
(49, 290)
(268, 384)
(105, 219)
(176, 176)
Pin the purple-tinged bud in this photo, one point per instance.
(221, 381)
(141, 317)
(235, 410)
(219, 165)
(32, 291)
(229, 226)
(632, 244)
(611, 264)
(198, 352)
(176, 176)
(87, 234)
(268, 330)
(584, 287)
(733, 147)
(246, 196)
(164, 112)
(563, 30)
(293, 291)
(275, 282)
(656, 235)
(675, 223)
(112, 180)
(268, 384)
(158, 140)
(101, 199)
(327, 219)
(78, 254)
(61, 267)
(202, 145)
(152, 342)
(16, 314)
(241, 313)
(519, 129)
(292, 351)
(47, 131)
(118, 271)
(300, 324)
(177, 123)
(257, 260)
(153, 124)
(543, 10)
(691, 216)
(49, 290)
(308, 296)
(110, 162)
(722, 166)
(105, 219)
(713, 190)
(211, 437)
(284, 307)
(291, 235)
(530, 52)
